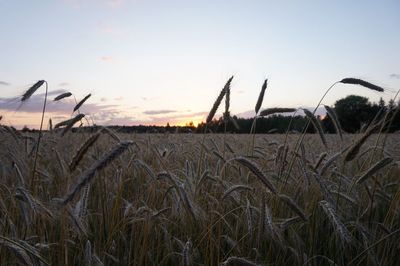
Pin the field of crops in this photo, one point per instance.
(105, 198)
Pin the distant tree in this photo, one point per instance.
(353, 112)
(25, 129)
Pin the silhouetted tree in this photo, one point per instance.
(353, 112)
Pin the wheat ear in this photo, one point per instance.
(82, 102)
(256, 171)
(97, 166)
(62, 96)
(261, 96)
(82, 150)
(276, 110)
(341, 229)
(32, 90)
(218, 100)
(373, 169)
(363, 83)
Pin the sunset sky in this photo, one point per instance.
(153, 62)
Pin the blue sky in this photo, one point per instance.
(153, 62)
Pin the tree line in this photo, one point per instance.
(353, 112)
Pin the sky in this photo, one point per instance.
(153, 62)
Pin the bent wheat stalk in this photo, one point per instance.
(256, 171)
(373, 169)
(82, 150)
(97, 166)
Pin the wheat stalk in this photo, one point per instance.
(316, 124)
(320, 159)
(256, 171)
(261, 96)
(276, 110)
(355, 148)
(293, 205)
(70, 123)
(341, 229)
(62, 96)
(227, 104)
(32, 90)
(97, 166)
(373, 169)
(329, 162)
(88, 254)
(82, 150)
(185, 253)
(78, 105)
(363, 83)
(235, 188)
(335, 120)
(232, 261)
(218, 101)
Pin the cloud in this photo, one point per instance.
(102, 114)
(246, 114)
(106, 58)
(175, 119)
(199, 113)
(111, 28)
(120, 98)
(108, 29)
(79, 4)
(50, 93)
(63, 84)
(149, 98)
(114, 3)
(35, 105)
(158, 112)
(3, 83)
(394, 76)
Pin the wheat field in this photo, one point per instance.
(100, 197)
(192, 199)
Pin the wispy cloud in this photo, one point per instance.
(78, 4)
(176, 119)
(114, 3)
(107, 29)
(106, 58)
(159, 112)
(3, 83)
(111, 28)
(63, 84)
(35, 105)
(50, 93)
(149, 98)
(394, 76)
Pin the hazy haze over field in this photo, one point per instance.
(154, 62)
